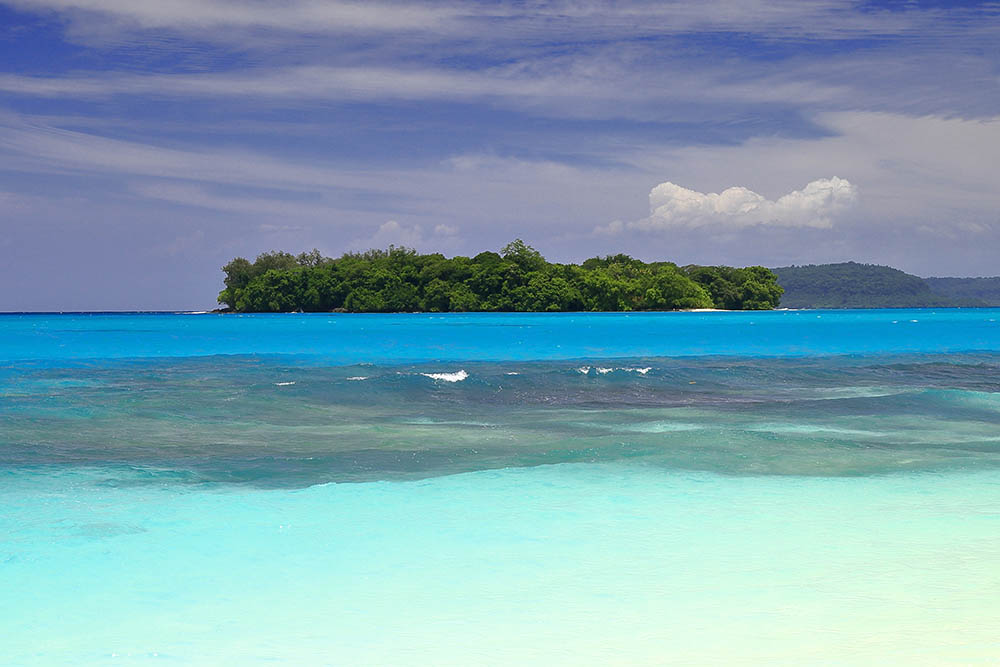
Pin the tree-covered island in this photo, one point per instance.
(516, 279)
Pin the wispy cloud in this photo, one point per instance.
(320, 122)
(559, 78)
(11, 201)
(637, 60)
(552, 88)
(547, 21)
(200, 196)
(298, 15)
(46, 149)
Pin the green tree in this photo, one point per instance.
(523, 255)
(517, 279)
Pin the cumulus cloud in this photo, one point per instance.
(393, 233)
(817, 205)
(411, 236)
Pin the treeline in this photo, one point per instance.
(516, 279)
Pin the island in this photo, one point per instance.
(517, 279)
(855, 285)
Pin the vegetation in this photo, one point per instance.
(853, 285)
(516, 279)
(985, 291)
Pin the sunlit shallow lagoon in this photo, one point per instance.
(452, 489)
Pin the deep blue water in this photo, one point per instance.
(499, 488)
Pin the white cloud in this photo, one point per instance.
(611, 229)
(929, 169)
(410, 236)
(196, 16)
(391, 52)
(815, 205)
(578, 86)
(31, 147)
(10, 201)
(217, 19)
(187, 194)
(393, 233)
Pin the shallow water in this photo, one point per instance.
(501, 488)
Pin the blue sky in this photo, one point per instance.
(144, 144)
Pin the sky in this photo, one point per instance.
(145, 144)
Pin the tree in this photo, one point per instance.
(399, 279)
(523, 255)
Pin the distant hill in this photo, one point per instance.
(986, 290)
(854, 285)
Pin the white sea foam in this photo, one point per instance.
(428, 421)
(604, 370)
(815, 429)
(827, 393)
(583, 369)
(511, 373)
(358, 377)
(661, 427)
(457, 376)
(282, 384)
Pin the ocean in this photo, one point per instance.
(618, 488)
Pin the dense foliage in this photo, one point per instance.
(853, 285)
(979, 291)
(516, 279)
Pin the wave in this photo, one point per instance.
(604, 370)
(457, 376)
(661, 427)
(818, 430)
(227, 419)
(834, 393)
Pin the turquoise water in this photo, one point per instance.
(497, 337)
(501, 489)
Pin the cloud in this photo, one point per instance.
(917, 65)
(10, 201)
(581, 86)
(280, 208)
(816, 205)
(217, 19)
(938, 170)
(410, 236)
(197, 16)
(30, 147)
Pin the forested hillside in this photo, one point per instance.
(986, 290)
(516, 279)
(853, 285)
